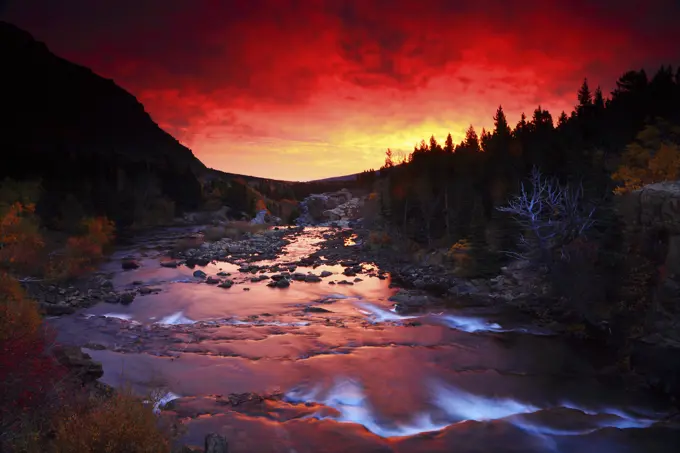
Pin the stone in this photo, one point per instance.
(129, 264)
(57, 309)
(214, 443)
(200, 274)
(170, 264)
(78, 362)
(311, 278)
(212, 280)
(127, 298)
(326, 274)
(285, 283)
(410, 299)
(317, 310)
(226, 284)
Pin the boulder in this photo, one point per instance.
(129, 264)
(214, 443)
(78, 362)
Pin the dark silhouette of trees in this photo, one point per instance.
(452, 192)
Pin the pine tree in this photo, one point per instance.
(585, 98)
(501, 127)
(434, 146)
(521, 124)
(448, 145)
(471, 141)
(388, 159)
(562, 119)
(598, 100)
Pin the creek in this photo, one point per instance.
(320, 367)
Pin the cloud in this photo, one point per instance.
(348, 71)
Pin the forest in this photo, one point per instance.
(546, 189)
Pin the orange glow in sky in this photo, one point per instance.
(319, 88)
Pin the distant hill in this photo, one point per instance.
(352, 177)
(91, 143)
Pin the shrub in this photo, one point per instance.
(654, 156)
(119, 424)
(83, 253)
(552, 215)
(20, 239)
(23, 192)
(29, 376)
(459, 253)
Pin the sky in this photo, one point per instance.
(307, 89)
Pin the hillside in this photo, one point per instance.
(90, 143)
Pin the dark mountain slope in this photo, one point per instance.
(90, 142)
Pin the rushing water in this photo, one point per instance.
(350, 374)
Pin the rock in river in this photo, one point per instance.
(129, 264)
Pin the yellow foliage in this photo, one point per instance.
(647, 164)
(459, 253)
(260, 205)
(19, 316)
(119, 424)
(83, 253)
(20, 238)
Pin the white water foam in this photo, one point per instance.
(348, 398)
(461, 405)
(177, 318)
(123, 316)
(165, 399)
(470, 324)
(378, 314)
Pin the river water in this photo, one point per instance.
(333, 368)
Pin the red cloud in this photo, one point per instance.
(224, 68)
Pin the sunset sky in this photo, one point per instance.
(308, 89)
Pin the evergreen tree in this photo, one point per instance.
(521, 125)
(485, 140)
(598, 100)
(448, 145)
(501, 127)
(471, 142)
(562, 119)
(585, 98)
(388, 159)
(434, 146)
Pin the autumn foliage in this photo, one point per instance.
(20, 239)
(42, 407)
(82, 253)
(119, 424)
(653, 157)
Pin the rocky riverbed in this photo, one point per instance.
(302, 339)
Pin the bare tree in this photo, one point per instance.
(551, 215)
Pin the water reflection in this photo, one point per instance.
(354, 374)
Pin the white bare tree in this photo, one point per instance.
(551, 216)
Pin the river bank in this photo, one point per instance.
(297, 348)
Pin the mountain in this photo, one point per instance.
(91, 144)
